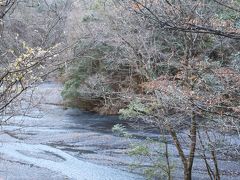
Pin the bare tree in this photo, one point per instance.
(32, 46)
(198, 90)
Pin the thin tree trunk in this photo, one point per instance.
(187, 162)
(178, 146)
(168, 170)
(193, 134)
(167, 159)
(209, 170)
(214, 158)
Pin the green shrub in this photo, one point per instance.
(134, 109)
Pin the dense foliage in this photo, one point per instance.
(172, 64)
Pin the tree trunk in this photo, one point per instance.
(187, 162)
(193, 134)
(187, 174)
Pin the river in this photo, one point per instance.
(52, 142)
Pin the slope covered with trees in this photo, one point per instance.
(172, 64)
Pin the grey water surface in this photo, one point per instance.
(52, 142)
(40, 145)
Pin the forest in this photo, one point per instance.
(171, 67)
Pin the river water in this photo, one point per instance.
(52, 142)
